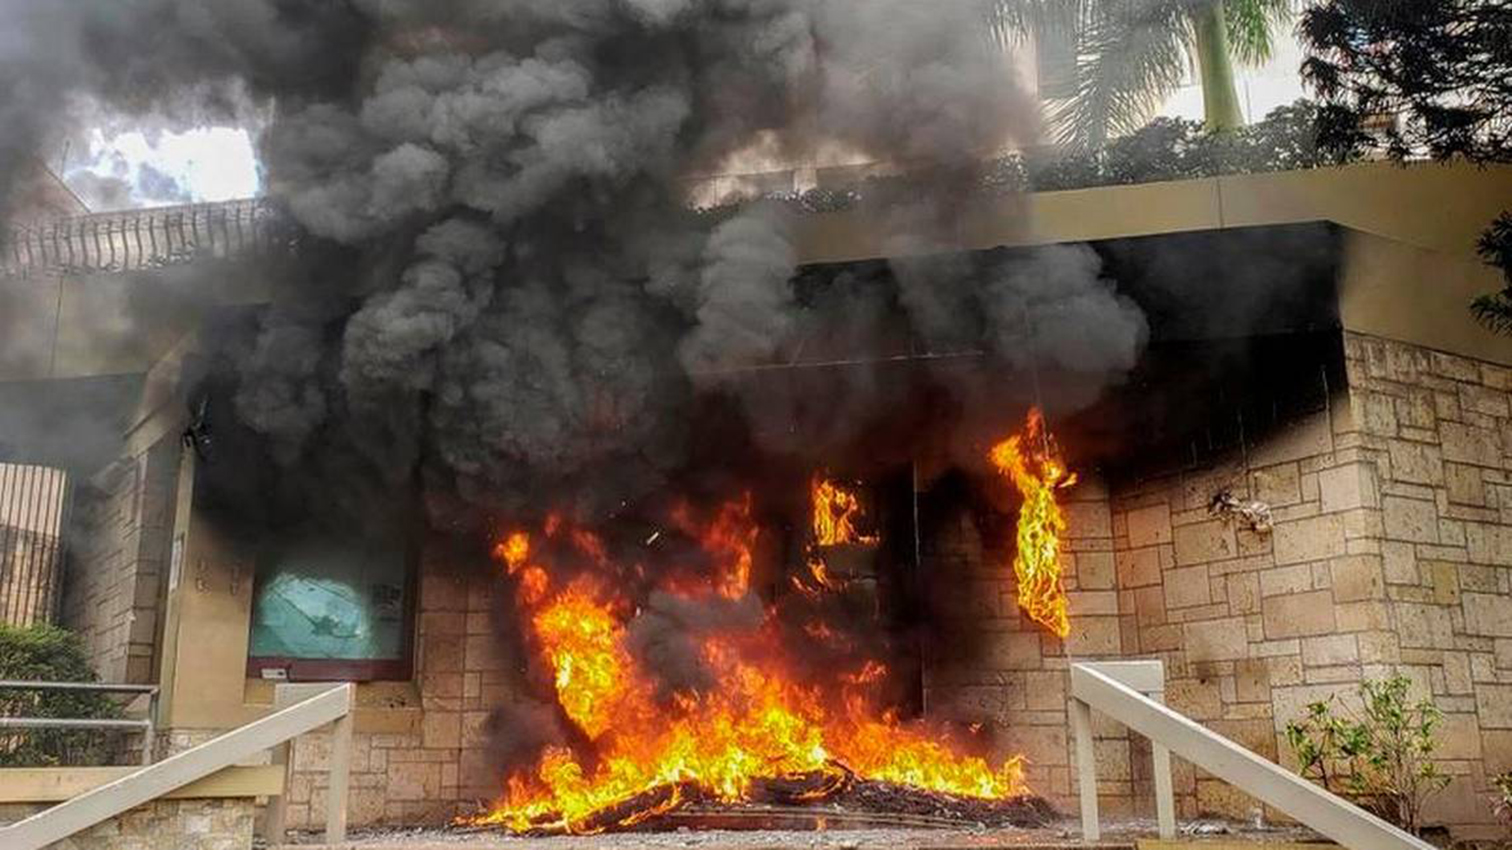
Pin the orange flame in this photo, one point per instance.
(1032, 461)
(514, 551)
(730, 539)
(582, 641)
(755, 722)
(836, 511)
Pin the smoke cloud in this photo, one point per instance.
(502, 295)
(503, 284)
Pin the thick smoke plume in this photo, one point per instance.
(502, 295)
(505, 293)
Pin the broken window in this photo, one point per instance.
(332, 609)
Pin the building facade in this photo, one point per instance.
(1387, 472)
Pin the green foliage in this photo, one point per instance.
(1176, 149)
(1164, 149)
(1381, 758)
(46, 653)
(1494, 310)
(1432, 78)
(1501, 804)
(1131, 54)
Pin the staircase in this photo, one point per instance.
(316, 706)
(1114, 689)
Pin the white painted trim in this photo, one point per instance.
(1146, 676)
(56, 784)
(149, 783)
(1341, 821)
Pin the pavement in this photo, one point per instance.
(1126, 835)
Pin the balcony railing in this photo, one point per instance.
(142, 240)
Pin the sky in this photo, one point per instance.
(220, 163)
(1276, 83)
(133, 169)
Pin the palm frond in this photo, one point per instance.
(1132, 54)
(1494, 312)
(1015, 20)
(1252, 25)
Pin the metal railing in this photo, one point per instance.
(139, 240)
(34, 519)
(1114, 690)
(310, 708)
(147, 725)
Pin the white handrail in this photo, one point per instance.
(1345, 823)
(331, 705)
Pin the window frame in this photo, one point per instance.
(401, 669)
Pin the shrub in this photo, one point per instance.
(47, 653)
(1381, 757)
(1164, 149)
(1501, 801)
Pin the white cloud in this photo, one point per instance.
(202, 164)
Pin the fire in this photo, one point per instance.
(514, 552)
(582, 641)
(755, 722)
(729, 539)
(836, 511)
(1033, 462)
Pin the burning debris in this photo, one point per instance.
(751, 728)
(1032, 461)
(756, 722)
(836, 511)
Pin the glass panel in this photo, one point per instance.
(331, 601)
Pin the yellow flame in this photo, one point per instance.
(1031, 460)
(755, 721)
(836, 511)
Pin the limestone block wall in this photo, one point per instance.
(1435, 433)
(1252, 626)
(118, 559)
(1390, 553)
(992, 664)
(220, 824)
(425, 756)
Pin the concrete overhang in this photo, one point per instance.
(1437, 207)
(1413, 265)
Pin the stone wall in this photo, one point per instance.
(428, 765)
(118, 560)
(225, 824)
(1252, 626)
(1435, 433)
(1390, 553)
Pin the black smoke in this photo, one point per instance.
(503, 296)
(504, 292)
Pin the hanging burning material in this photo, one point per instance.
(1032, 461)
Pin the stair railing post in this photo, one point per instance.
(1165, 797)
(275, 818)
(1086, 769)
(341, 772)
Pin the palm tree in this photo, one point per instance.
(1131, 54)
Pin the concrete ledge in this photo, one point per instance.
(55, 784)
